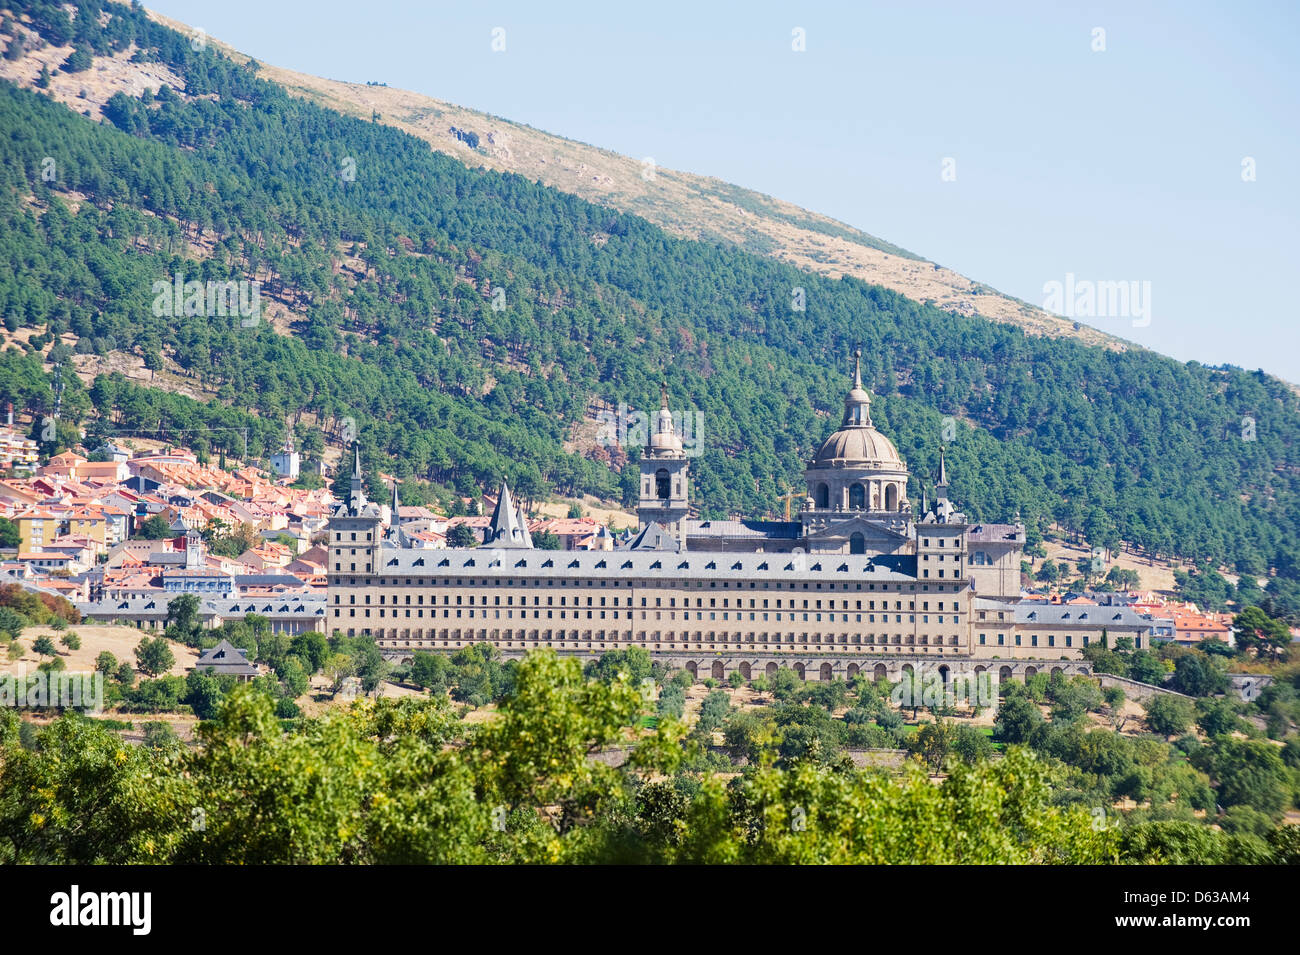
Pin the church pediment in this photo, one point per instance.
(870, 530)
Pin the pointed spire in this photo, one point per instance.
(857, 403)
(505, 506)
(663, 396)
(396, 536)
(357, 493)
(506, 530)
(943, 471)
(523, 528)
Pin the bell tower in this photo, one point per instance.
(663, 495)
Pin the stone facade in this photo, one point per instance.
(858, 581)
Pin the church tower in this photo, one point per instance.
(663, 498)
(354, 530)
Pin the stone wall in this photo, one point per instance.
(1135, 690)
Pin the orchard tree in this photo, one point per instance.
(1019, 718)
(932, 743)
(154, 657)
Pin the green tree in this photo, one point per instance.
(294, 677)
(159, 735)
(1196, 675)
(312, 648)
(182, 621)
(713, 712)
(971, 744)
(1168, 715)
(1247, 773)
(1216, 717)
(155, 528)
(154, 657)
(12, 622)
(462, 535)
(633, 664)
(745, 735)
(1256, 632)
(78, 60)
(785, 683)
(671, 702)
(430, 671)
(479, 677)
(932, 743)
(204, 694)
(44, 646)
(1018, 717)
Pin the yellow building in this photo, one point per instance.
(36, 528)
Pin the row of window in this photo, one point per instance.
(671, 635)
(672, 602)
(806, 617)
(496, 582)
(1051, 640)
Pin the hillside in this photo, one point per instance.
(681, 203)
(472, 323)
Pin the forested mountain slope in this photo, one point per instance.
(682, 203)
(384, 259)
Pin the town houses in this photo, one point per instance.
(78, 522)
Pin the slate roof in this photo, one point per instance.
(651, 565)
(225, 658)
(1079, 615)
(783, 530)
(653, 537)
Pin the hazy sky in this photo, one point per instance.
(1119, 164)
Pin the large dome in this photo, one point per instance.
(857, 443)
(858, 446)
